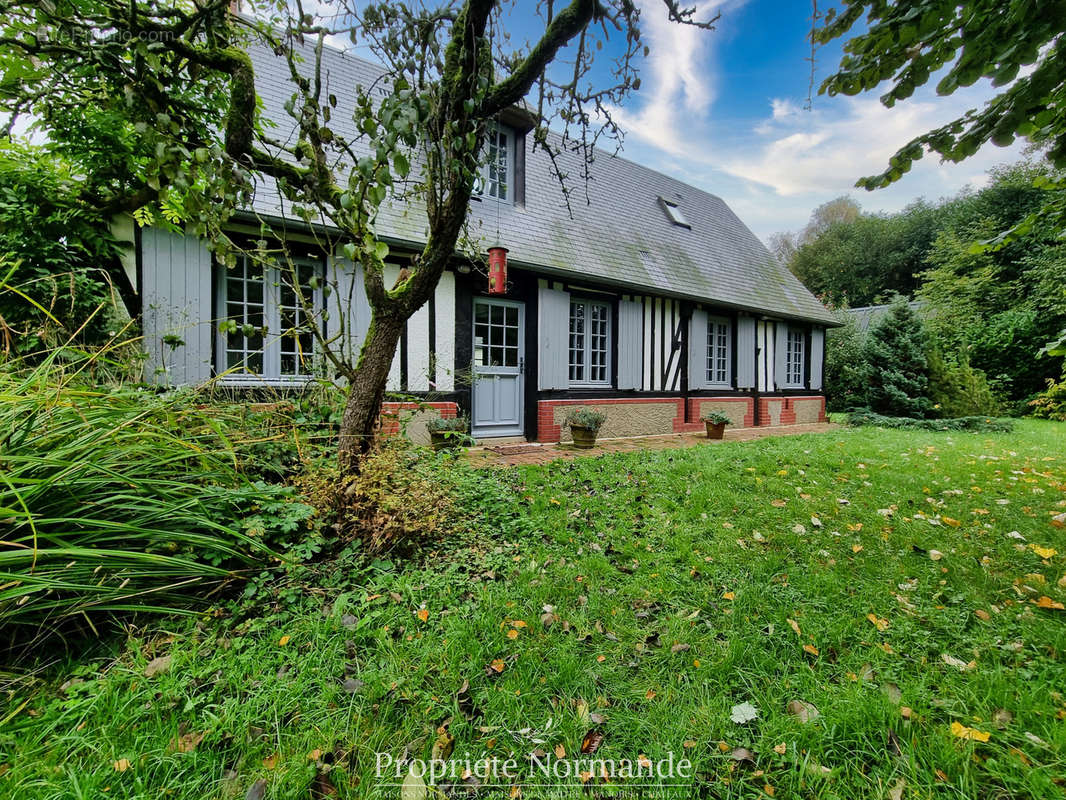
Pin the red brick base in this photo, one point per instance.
(772, 411)
(390, 414)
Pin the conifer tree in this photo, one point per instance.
(897, 369)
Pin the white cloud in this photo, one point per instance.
(782, 108)
(679, 77)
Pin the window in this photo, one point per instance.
(496, 176)
(718, 351)
(673, 211)
(496, 329)
(265, 331)
(795, 351)
(590, 325)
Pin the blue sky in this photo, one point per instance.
(724, 110)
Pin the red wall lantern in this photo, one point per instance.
(497, 269)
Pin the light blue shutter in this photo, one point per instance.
(746, 353)
(630, 352)
(697, 350)
(780, 354)
(176, 294)
(817, 356)
(553, 331)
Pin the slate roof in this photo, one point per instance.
(867, 317)
(622, 237)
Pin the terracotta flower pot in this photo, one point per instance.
(584, 438)
(715, 430)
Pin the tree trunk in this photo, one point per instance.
(367, 391)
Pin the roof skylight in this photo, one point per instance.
(673, 211)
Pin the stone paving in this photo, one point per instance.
(515, 454)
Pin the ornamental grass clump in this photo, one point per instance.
(114, 500)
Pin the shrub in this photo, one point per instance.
(979, 424)
(459, 424)
(896, 365)
(956, 389)
(1051, 403)
(845, 365)
(585, 418)
(120, 500)
(716, 418)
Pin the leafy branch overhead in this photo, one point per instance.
(1017, 46)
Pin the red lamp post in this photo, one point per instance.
(497, 269)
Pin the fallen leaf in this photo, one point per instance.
(896, 790)
(185, 743)
(810, 648)
(157, 666)
(591, 742)
(958, 663)
(1001, 717)
(643, 760)
(744, 713)
(778, 503)
(803, 711)
(680, 647)
(284, 640)
(1043, 552)
(649, 695)
(423, 614)
(256, 790)
(878, 622)
(742, 755)
(314, 755)
(780, 748)
(728, 595)
(497, 665)
(560, 751)
(935, 555)
(954, 523)
(271, 761)
(512, 634)
(906, 712)
(1047, 602)
(962, 732)
(769, 790)
(855, 548)
(795, 626)
(442, 745)
(121, 765)
(982, 614)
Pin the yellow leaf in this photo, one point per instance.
(769, 790)
(271, 761)
(1047, 602)
(314, 755)
(855, 527)
(696, 662)
(778, 503)
(878, 622)
(795, 626)
(497, 665)
(688, 744)
(649, 695)
(601, 659)
(284, 640)
(1043, 552)
(512, 634)
(962, 732)
(723, 747)
(982, 614)
(780, 748)
(519, 623)
(810, 648)
(423, 614)
(855, 548)
(121, 765)
(643, 760)
(954, 523)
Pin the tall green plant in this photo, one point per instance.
(114, 500)
(845, 365)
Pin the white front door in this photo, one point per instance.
(498, 374)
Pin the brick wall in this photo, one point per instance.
(791, 410)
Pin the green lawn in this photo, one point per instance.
(844, 570)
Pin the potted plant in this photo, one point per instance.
(715, 422)
(447, 433)
(584, 425)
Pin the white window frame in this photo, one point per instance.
(272, 340)
(586, 346)
(715, 363)
(483, 181)
(795, 357)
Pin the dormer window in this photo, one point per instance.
(496, 180)
(673, 212)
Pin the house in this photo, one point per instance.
(867, 317)
(652, 301)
